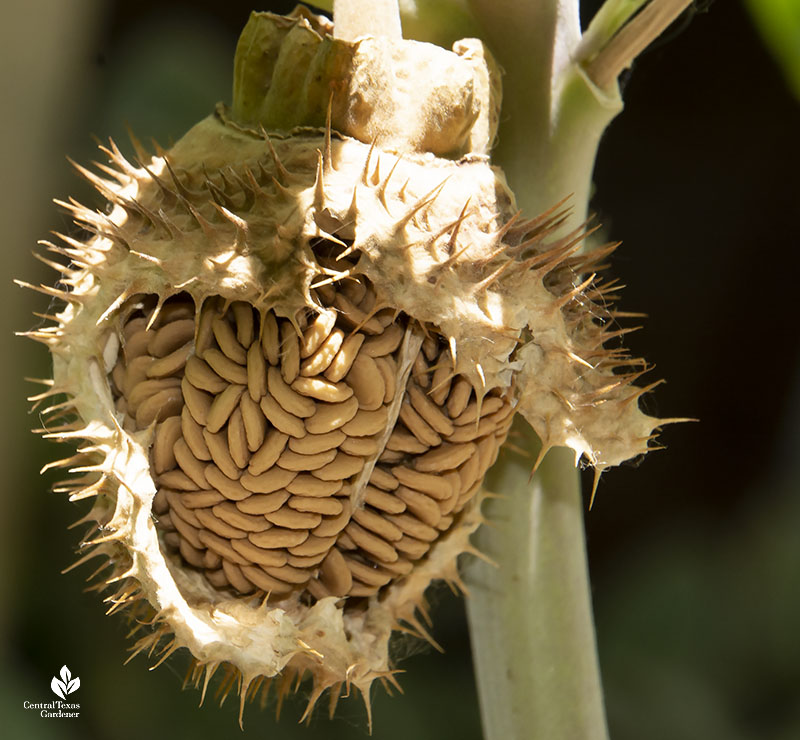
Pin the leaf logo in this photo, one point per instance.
(66, 684)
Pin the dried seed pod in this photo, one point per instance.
(310, 413)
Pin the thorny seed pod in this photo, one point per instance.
(293, 349)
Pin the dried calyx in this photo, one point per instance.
(294, 356)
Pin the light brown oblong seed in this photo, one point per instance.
(377, 524)
(418, 426)
(404, 442)
(385, 343)
(317, 332)
(258, 554)
(333, 525)
(170, 364)
(216, 525)
(235, 577)
(226, 368)
(201, 499)
(409, 546)
(270, 338)
(290, 352)
(313, 546)
(341, 467)
(433, 485)
(222, 407)
(360, 446)
(147, 388)
(136, 372)
(190, 554)
(276, 537)
(188, 532)
(167, 434)
(344, 358)
(237, 438)
(220, 454)
(444, 457)
(201, 376)
(243, 316)
(136, 345)
(305, 561)
(193, 434)
(311, 444)
(297, 576)
(330, 416)
(272, 480)
(166, 403)
(322, 358)
(295, 461)
(413, 526)
(386, 502)
(289, 399)
(282, 419)
(198, 402)
(470, 432)
(263, 503)
(177, 480)
(370, 543)
(366, 574)
(328, 506)
(266, 455)
(256, 373)
(221, 546)
(429, 411)
(421, 506)
(227, 341)
(293, 519)
(231, 489)
(217, 578)
(322, 390)
(189, 464)
(355, 316)
(265, 582)
(367, 383)
(307, 485)
(366, 423)
(335, 574)
(441, 382)
(204, 335)
(489, 405)
(255, 423)
(388, 370)
(169, 337)
(383, 479)
(211, 560)
(459, 397)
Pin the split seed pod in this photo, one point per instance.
(293, 347)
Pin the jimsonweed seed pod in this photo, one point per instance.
(294, 344)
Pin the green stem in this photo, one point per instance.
(530, 616)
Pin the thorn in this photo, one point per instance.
(282, 172)
(327, 158)
(319, 185)
(424, 201)
(365, 171)
(385, 183)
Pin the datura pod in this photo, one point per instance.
(293, 344)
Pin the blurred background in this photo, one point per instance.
(694, 554)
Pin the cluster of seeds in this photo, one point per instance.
(277, 468)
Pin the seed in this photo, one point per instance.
(418, 426)
(237, 438)
(198, 402)
(188, 532)
(243, 315)
(193, 434)
(178, 480)
(258, 554)
(218, 526)
(171, 363)
(201, 499)
(201, 376)
(293, 519)
(169, 337)
(429, 411)
(288, 573)
(269, 452)
(163, 404)
(370, 575)
(419, 372)
(335, 574)
(160, 503)
(399, 568)
(217, 578)
(367, 383)
(413, 526)
(256, 373)
(222, 407)
(167, 433)
(469, 432)
(370, 543)
(311, 444)
(360, 446)
(365, 423)
(270, 342)
(362, 590)
(278, 537)
(328, 506)
(384, 501)
(176, 507)
(458, 398)
(342, 466)
(231, 489)
(234, 574)
(220, 454)
(383, 479)
(282, 419)
(146, 389)
(227, 341)
(294, 461)
(333, 525)
(470, 413)
(388, 371)
(409, 546)
(321, 360)
(190, 554)
(444, 523)
(136, 345)
(136, 372)
(267, 482)
(307, 561)
(440, 383)
(290, 400)
(355, 316)
(313, 546)
(330, 416)
(317, 332)
(344, 358)
(255, 423)
(322, 390)
(404, 442)
(225, 367)
(355, 291)
(433, 485)
(421, 506)
(204, 332)
(265, 582)
(385, 343)
(261, 504)
(377, 524)
(444, 457)
(290, 352)
(189, 463)
(211, 560)
(391, 457)
(308, 485)
(221, 546)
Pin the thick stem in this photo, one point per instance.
(530, 617)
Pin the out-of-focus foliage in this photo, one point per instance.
(779, 23)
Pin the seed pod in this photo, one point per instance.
(302, 353)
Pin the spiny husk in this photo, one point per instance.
(279, 228)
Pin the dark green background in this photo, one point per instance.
(695, 554)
